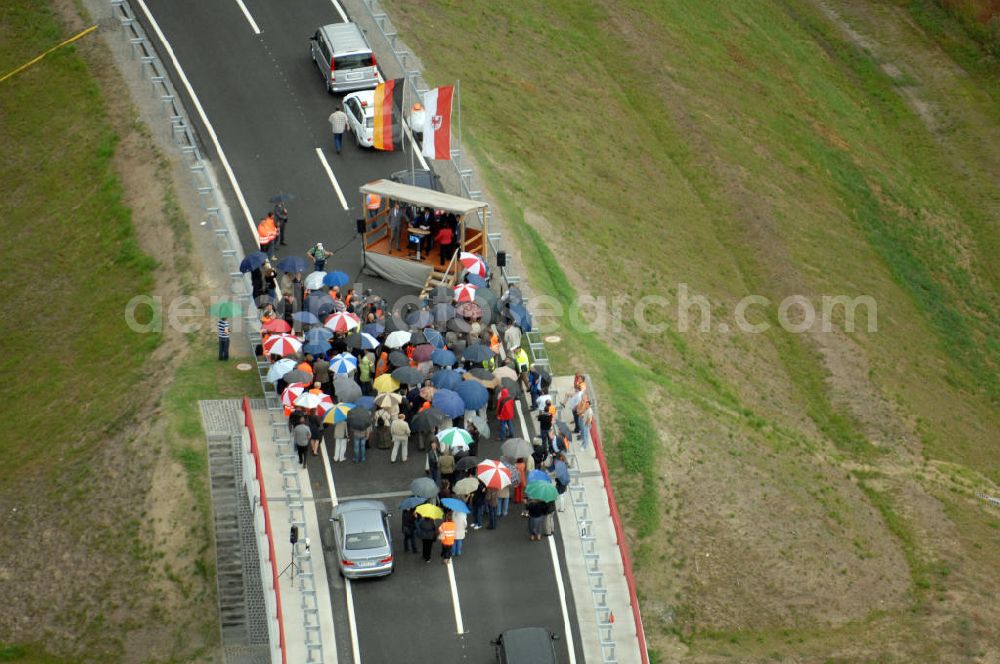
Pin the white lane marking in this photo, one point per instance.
(204, 118)
(246, 12)
(379, 496)
(340, 10)
(524, 425)
(459, 627)
(352, 620)
(355, 651)
(568, 635)
(333, 180)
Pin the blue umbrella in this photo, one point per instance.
(443, 358)
(344, 363)
(474, 395)
(338, 279)
(318, 334)
(293, 264)
(455, 505)
(306, 318)
(365, 402)
(362, 341)
(316, 348)
(521, 316)
(477, 353)
(562, 471)
(374, 329)
(475, 280)
(449, 403)
(318, 303)
(412, 502)
(540, 476)
(434, 337)
(253, 261)
(446, 379)
(280, 368)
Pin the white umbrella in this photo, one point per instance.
(314, 281)
(308, 400)
(397, 339)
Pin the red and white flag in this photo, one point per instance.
(437, 123)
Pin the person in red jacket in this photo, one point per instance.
(505, 414)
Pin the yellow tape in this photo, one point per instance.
(27, 64)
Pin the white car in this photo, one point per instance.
(360, 110)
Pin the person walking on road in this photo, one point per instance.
(318, 255)
(427, 534)
(536, 515)
(461, 524)
(409, 531)
(360, 439)
(492, 498)
(446, 533)
(225, 332)
(400, 432)
(505, 415)
(340, 441)
(301, 434)
(281, 217)
(267, 232)
(338, 122)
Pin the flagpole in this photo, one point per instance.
(458, 166)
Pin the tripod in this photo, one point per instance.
(291, 566)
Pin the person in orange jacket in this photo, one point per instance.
(446, 533)
(382, 365)
(267, 230)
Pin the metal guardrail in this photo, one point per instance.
(240, 289)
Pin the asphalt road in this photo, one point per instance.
(265, 99)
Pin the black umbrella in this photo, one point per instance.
(253, 261)
(477, 353)
(346, 389)
(424, 487)
(419, 318)
(513, 387)
(408, 375)
(298, 376)
(427, 420)
(514, 295)
(398, 359)
(359, 418)
(418, 338)
(466, 463)
(481, 373)
(564, 429)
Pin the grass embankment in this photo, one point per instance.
(97, 567)
(799, 479)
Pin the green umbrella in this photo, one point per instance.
(454, 436)
(542, 491)
(226, 309)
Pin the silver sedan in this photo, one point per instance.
(362, 532)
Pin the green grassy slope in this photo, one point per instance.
(755, 148)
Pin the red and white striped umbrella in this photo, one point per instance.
(325, 404)
(474, 263)
(342, 321)
(291, 393)
(307, 400)
(282, 344)
(465, 293)
(494, 474)
(276, 325)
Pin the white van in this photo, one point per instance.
(344, 58)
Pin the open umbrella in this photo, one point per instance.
(338, 279)
(417, 338)
(561, 471)
(342, 321)
(359, 418)
(513, 387)
(344, 363)
(419, 318)
(306, 318)
(516, 448)
(389, 400)
(422, 353)
(466, 463)
(515, 475)
(469, 310)
(482, 426)
(338, 413)
(542, 491)
(466, 485)
(477, 353)
(318, 303)
(424, 487)
(398, 358)
(318, 334)
(453, 435)
(408, 375)
(293, 264)
(280, 368)
(493, 474)
(519, 314)
(314, 280)
(298, 376)
(318, 348)
(427, 420)
(412, 502)
(362, 341)
(474, 395)
(487, 299)
(464, 293)
(325, 405)
(430, 511)
(397, 339)
(282, 344)
(455, 505)
(505, 372)
(346, 389)
(481, 373)
(253, 261)
(446, 379)
(365, 402)
(475, 280)
(473, 376)
(433, 337)
(473, 263)
(292, 393)
(385, 383)
(442, 357)
(449, 403)
(539, 476)
(225, 309)
(374, 329)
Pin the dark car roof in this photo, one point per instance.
(420, 177)
(528, 645)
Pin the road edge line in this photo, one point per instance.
(352, 621)
(568, 637)
(459, 625)
(333, 179)
(246, 12)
